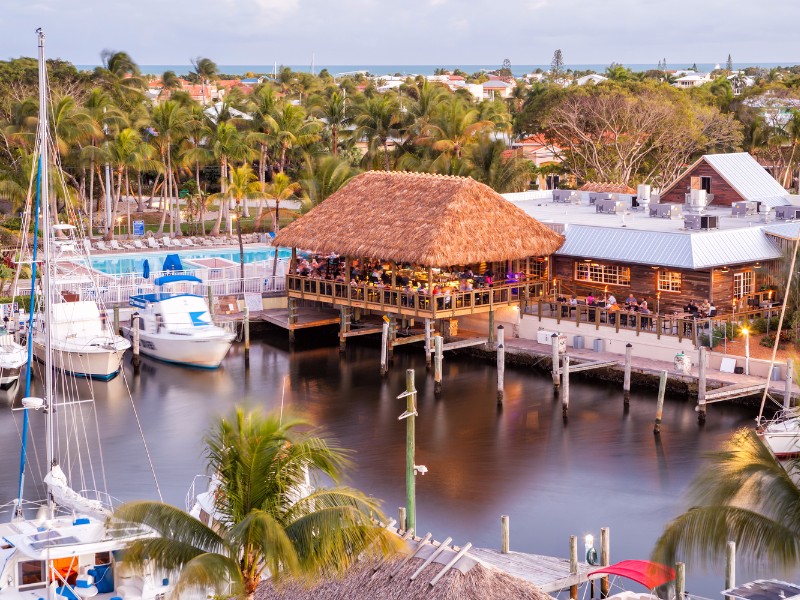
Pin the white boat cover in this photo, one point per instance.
(65, 496)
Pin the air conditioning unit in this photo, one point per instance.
(611, 206)
(744, 208)
(595, 196)
(696, 199)
(666, 211)
(643, 193)
(787, 213)
(561, 195)
(701, 222)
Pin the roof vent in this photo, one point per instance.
(666, 211)
(696, 200)
(611, 206)
(701, 222)
(745, 208)
(787, 213)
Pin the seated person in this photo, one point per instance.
(611, 299)
(631, 300)
(693, 308)
(643, 306)
(573, 301)
(590, 300)
(705, 307)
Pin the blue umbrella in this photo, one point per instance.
(146, 269)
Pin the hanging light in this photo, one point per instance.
(724, 270)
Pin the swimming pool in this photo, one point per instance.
(120, 264)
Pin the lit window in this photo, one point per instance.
(669, 281)
(742, 284)
(605, 274)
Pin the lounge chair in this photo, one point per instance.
(101, 245)
(206, 242)
(189, 243)
(138, 245)
(166, 241)
(87, 245)
(177, 243)
(152, 243)
(128, 246)
(115, 245)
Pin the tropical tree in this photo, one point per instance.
(228, 145)
(281, 188)
(169, 124)
(378, 119)
(323, 176)
(292, 130)
(501, 173)
(745, 495)
(264, 524)
(333, 110)
(170, 82)
(120, 75)
(206, 71)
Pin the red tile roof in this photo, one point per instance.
(608, 188)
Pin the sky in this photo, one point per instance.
(383, 32)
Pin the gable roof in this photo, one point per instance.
(431, 220)
(745, 175)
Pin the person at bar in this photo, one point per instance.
(590, 299)
(630, 301)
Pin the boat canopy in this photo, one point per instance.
(764, 589)
(649, 574)
(165, 279)
(172, 263)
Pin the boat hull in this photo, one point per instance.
(198, 352)
(784, 444)
(100, 364)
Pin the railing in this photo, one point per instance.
(388, 299)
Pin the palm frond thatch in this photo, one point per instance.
(419, 218)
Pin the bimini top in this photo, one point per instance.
(764, 589)
(650, 574)
(165, 279)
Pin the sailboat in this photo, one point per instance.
(66, 546)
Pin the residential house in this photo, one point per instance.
(692, 80)
(591, 79)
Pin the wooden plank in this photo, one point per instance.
(549, 573)
(409, 339)
(737, 390)
(465, 343)
(598, 364)
(363, 331)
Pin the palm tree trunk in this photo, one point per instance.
(91, 197)
(139, 198)
(165, 193)
(241, 249)
(335, 140)
(277, 225)
(115, 200)
(222, 202)
(386, 152)
(178, 222)
(128, 202)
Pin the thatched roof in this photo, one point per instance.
(363, 582)
(431, 220)
(607, 188)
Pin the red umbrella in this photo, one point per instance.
(649, 574)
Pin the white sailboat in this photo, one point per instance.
(177, 327)
(64, 547)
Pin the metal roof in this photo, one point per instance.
(789, 231)
(748, 177)
(697, 250)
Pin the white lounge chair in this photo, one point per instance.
(138, 244)
(101, 245)
(177, 243)
(115, 245)
(189, 243)
(152, 243)
(166, 242)
(87, 245)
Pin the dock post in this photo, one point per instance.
(342, 329)
(401, 521)
(116, 319)
(411, 407)
(565, 387)
(662, 389)
(701, 382)
(384, 348)
(246, 326)
(428, 357)
(730, 567)
(491, 326)
(135, 334)
(554, 342)
(787, 394)
(573, 565)
(680, 580)
(505, 535)
(392, 336)
(437, 365)
(501, 373)
(605, 558)
(626, 381)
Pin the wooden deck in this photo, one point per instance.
(549, 573)
(306, 317)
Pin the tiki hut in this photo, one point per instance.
(431, 220)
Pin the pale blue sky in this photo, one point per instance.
(406, 31)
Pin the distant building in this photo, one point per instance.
(692, 80)
(591, 79)
(775, 109)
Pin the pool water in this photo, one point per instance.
(120, 264)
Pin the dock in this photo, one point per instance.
(549, 573)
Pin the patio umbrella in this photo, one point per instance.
(146, 269)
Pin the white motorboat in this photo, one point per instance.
(13, 357)
(782, 434)
(177, 327)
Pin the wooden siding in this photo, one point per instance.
(724, 194)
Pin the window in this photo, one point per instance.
(607, 274)
(742, 284)
(537, 268)
(669, 281)
(31, 573)
(705, 184)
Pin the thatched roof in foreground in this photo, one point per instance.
(431, 220)
(362, 582)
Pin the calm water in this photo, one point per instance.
(605, 468)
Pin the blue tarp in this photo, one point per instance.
(146, 269)
(175, 278)
(172, 263)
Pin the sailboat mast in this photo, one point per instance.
(44, 148)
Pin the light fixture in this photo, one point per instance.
(724, 270)
(591, 553)
(757, 265)
(655, 268)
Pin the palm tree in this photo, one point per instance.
(264, 105)
(322, 177)
(206, 71)
(227, 145)
(378, 119)
(126, 151)
(281, 188)
(293, 130)
(169, 122)
(333, 109)
(170, 82)
(489, 166)
(744, 494)
(121, 76)
(264, 527)
(456, 125)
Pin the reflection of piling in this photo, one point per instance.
(565, 387)
(437, 365)
(605, 558)
(246, 325)
(501, 364)
(573, 565)
(626, 382)
(135, 335)
(662, 388)
(505, 535)
(554, 342)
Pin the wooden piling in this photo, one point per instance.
(701, 382)
(680, 580)
(730, 567)
(501, 373)
(501, 335)
(392, 337)
(384, 349)
(342, 329)
(246, 326)
(554, 342)
(605, 558)
(428, 357)
(505, 535)
(565, 387)
(136, 347)
(401, 521)
(116, 319)
(491, 326)
(662, 389)
(437, 365)
(411, 406)
(787, 390)
(626, 382)
(573, 564)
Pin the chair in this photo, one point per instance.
(128, 246)
(87, 245)
(115, 245)
(177, 243)
(166, 242)
(138, 245)
(152, 243)
(189, 243)
(101, 245)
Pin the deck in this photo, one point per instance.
(551, 574)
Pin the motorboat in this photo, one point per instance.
(176, 327)
(782, 434)
(13, 357)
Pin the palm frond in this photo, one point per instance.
(209, 572)
(261, 531)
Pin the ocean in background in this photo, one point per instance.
(518, 70)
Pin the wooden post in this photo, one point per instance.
(401, 522)
(605, 558)
(135, 335)
(662, 388)
(428, 344)
(626, 381)
(392, 336)
(573, 565)
(701, 382)
(342, 329)
(787, 393)
(491, 324)
(211, 302)
(116, 319)
(384, 348)
(501, 372)
(505, 535)
(554, 342)
(501, 335)
(680, 580)
(565, 387)
(246, 325)
(730, 567)
(437, 365)
(411, 397)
